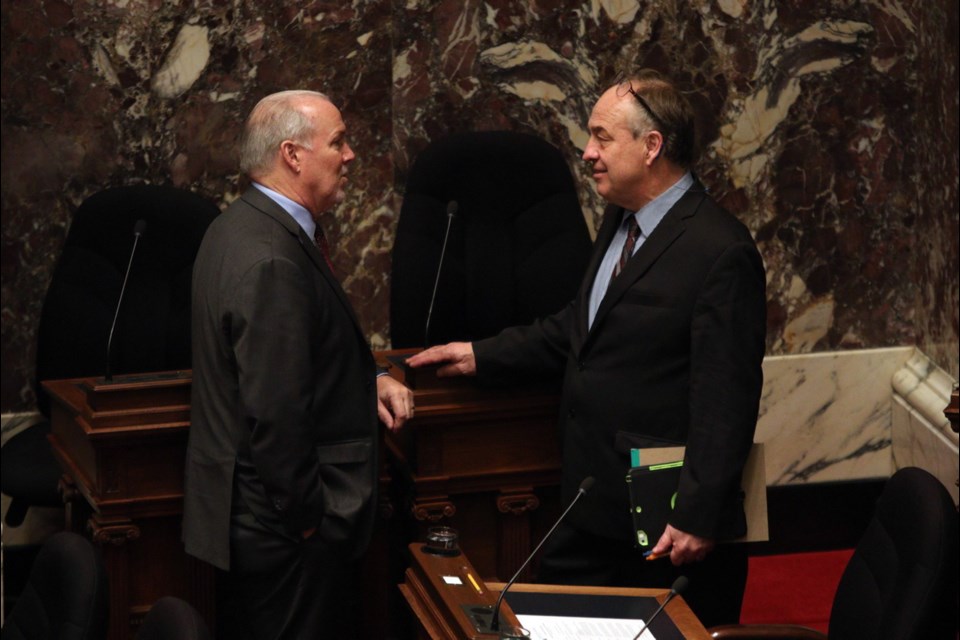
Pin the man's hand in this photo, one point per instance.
(394, 402)
(457, 358)
(683, 547)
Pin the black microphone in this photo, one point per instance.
(137, 232)
(451, 210)
(584, 487)
(679, 586)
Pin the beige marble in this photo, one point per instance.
(856, 415)
(921, 433)
(827, 416)
(916, 444)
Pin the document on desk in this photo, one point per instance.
(572, 628)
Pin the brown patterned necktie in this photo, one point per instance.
(321, 241)
(633, 232)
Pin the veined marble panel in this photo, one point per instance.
(828, 127)
(827, 416)
(856, 414)
(926, 388)
(917, 444)
(921, 433)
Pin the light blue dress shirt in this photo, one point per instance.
(648, 217)
(295, 209)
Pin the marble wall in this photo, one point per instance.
(829, 127)
(827, 417)
(857, 414)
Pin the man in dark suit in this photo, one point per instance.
(281, 464)
(663, 345)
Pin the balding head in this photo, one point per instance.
(295, 143)
(278, 117)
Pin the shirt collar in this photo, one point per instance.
(650, 214)
(295, 209)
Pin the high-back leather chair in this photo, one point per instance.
(518, 243)
(901, 582)
(153, 328)
(66, 594)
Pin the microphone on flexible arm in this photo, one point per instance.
(138, 228)
(679, 586)
(451, 211)
(584, 487)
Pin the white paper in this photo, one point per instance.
(571, 628)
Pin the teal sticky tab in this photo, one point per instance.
(634, 457)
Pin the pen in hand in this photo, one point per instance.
(650, 555)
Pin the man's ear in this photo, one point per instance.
(654, 146)
(290, 153)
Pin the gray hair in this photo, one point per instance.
(275, 118)
(672, 115)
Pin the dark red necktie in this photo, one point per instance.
(633, 232)
(321, 240)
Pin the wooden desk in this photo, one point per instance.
(484, 461)
(442, 609)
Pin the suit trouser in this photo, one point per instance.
(715, 591)
(282, 589)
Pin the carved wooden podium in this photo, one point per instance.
(121, 446)
(484, 461)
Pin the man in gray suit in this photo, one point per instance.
(281, 465)
(662, 346)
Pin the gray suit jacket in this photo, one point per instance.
(673, 357)
(283, 381)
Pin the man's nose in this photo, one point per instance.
(348, 154)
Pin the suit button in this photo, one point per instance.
(580, 365)
(572, 413)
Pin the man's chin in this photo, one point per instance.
(331, 202)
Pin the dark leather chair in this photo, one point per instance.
(66, 594)
(173, 619)
(153, 328)
(901, 582)
(518, 245)
(29, 473)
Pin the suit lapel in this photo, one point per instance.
(608, 228)
(258, 200)
(670, 228)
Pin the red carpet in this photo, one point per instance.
(793, 589)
